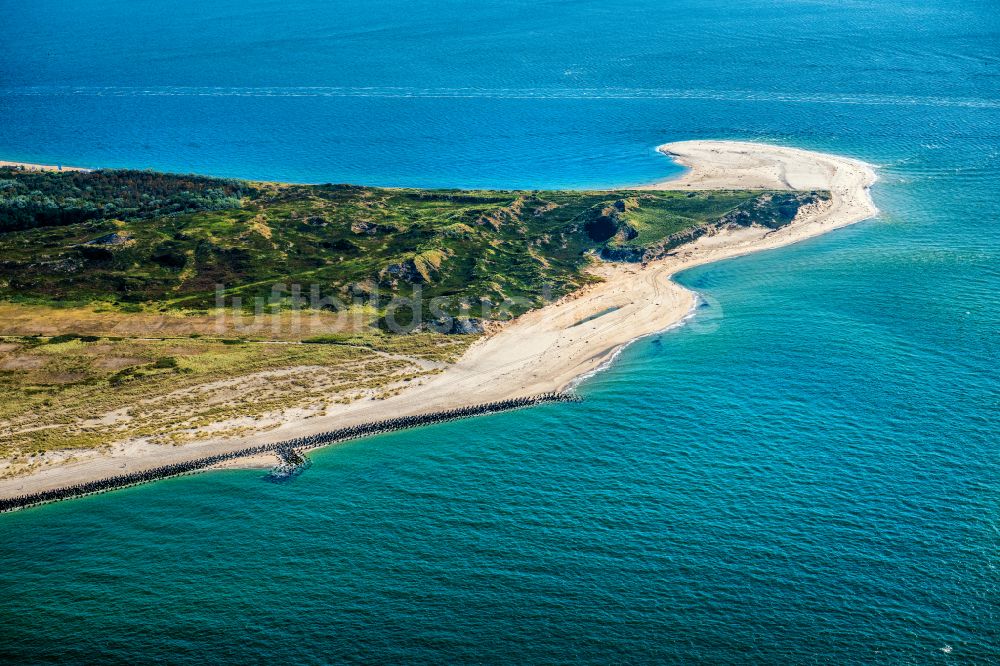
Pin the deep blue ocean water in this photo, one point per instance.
(807, 472)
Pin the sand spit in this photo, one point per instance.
(28, 166)
(548, 349)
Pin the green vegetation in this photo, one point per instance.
(648, 228)
(112, 331)
(31, 199)
(140, 239)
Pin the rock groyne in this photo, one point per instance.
(289, 452)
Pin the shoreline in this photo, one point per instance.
(31, 166)
(557, 347)
(288, 454)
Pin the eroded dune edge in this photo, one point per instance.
(550, 349)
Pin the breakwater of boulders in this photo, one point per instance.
(289, 452)
(291, 463)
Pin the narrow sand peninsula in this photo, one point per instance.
(550, 348)
(28, 166)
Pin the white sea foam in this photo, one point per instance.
(508, 93)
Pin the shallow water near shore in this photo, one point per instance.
(808, 470)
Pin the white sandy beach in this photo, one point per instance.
(28, 166)
(548, 349)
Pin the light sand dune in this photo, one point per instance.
(548, 349)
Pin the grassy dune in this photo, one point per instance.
(110, 325)
(66, 392)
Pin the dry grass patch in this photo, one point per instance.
(57, 395)
(106, 320)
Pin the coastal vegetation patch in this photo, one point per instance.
(139, 240)
(70, 391)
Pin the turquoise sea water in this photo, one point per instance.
(806, 472)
